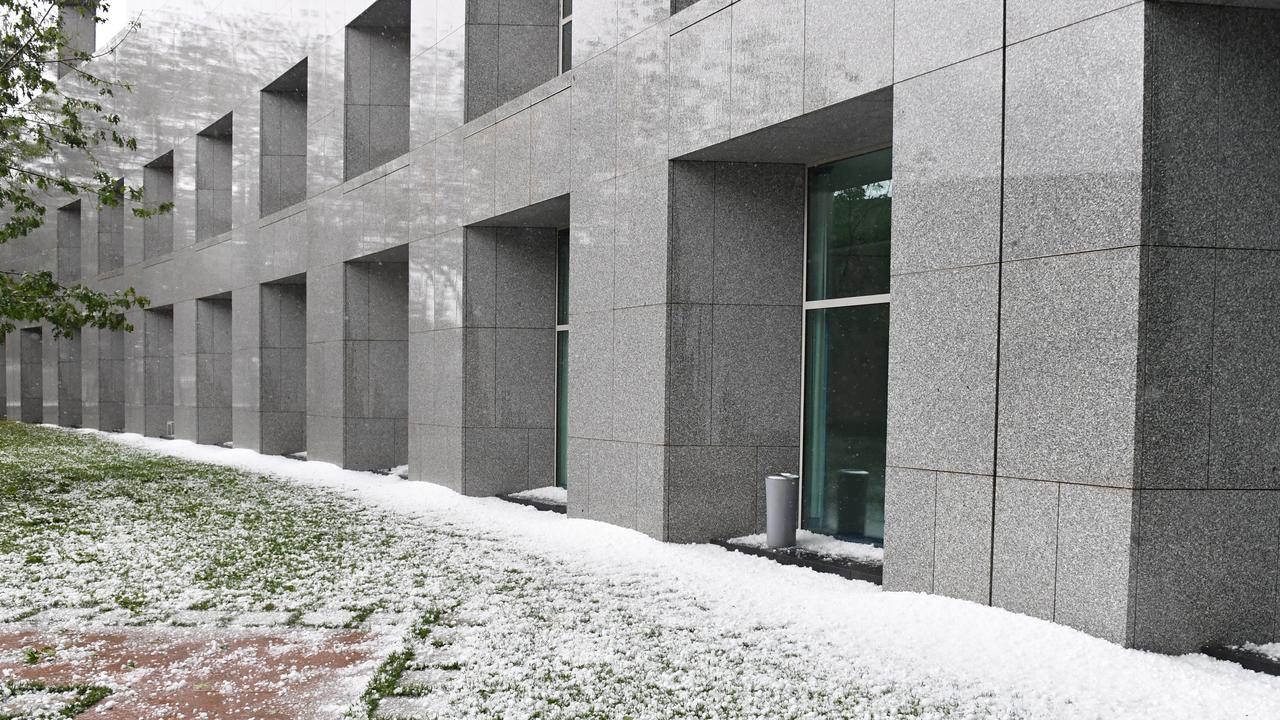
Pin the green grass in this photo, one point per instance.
(87, 523)
(85, 696)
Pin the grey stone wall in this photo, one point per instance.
(1207, 490)
(283, 152)
(213, 370)
(734, 323)
(69, 241)
(213, 179)
(70, 382)
(110, 235)
(31, 357)
(110, 385)
(158, 370)
(283, 368)
(512, 47)
(158, 187)
(376, 110)
(375, 364)
(508, 360)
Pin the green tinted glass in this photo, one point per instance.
(566, 47)
(562, 278)
(849, 214)
(846, 388)
(562, 408)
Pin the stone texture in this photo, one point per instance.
(929, 35)
(848, 49)
(1024, 557)
(767, 62)
(1095, 547)
(711, 492)
(946, 167)
(1068, 368)
(962, 540)
(942, 370)
(700, 70)
(910, 517)
(1027, 18)
(1244, 426)
(1206, 568)
(1082, 86)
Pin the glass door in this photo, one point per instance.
(847, 347)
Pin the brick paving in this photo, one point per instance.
(274, 673)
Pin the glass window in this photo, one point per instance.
(562, 358)
(566, 35)
(562, 278)
(849, 203)
(847, 346)
(562, 408)
(846, 386)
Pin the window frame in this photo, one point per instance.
(829, 303)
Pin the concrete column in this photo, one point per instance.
(245, 355)
(436, 359)
(326, 386)
(1204, 559)
(49, 379)
(1014, 340)
(945, 280)
(70, 381)
(134, 373)
(89, 377)
(185, 402)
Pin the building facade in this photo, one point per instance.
(999, 278)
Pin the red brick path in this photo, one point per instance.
(163, 672)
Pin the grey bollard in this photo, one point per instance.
(782, 505)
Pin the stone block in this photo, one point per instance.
(942, 370)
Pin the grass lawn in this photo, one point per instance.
(489, 610)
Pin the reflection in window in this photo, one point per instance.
(566, 35)
(847, 347)
(562, 357)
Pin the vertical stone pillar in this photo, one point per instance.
(89, 375)
(326, 386)
(134, 373)
(246, 369)
(186, 423)
(70, 381)
(49, 376)
(436, 332)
